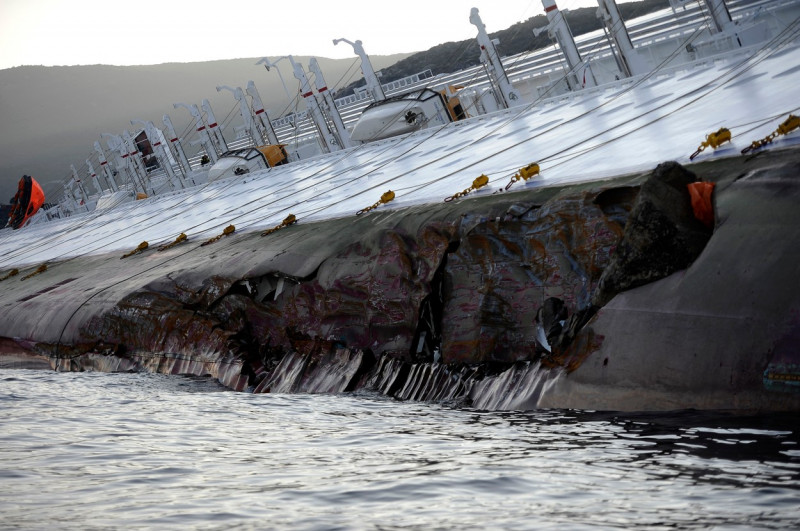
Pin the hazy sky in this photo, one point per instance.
(80, 32)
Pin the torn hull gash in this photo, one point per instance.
(607, 295)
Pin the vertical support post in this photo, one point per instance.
(491, 59)
(261, 115)
(213, 128)
(244, 110)
(580, 74)
(136, 159)
(105, 167)
(154, 136)
(720, 16)
(343, 136)
(313, 106)
(84, 197)
(93, 177)
(269, 64)
(70, 194)
(115, 143)
(630, 63)
(176, 144)
(205, 138)
(373, 84)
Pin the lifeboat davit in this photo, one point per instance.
(28, 200)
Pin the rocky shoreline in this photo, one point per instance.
(602, 295)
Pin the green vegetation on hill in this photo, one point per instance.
(454, 56)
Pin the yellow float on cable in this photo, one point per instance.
(142, 246)
(788, 125)
(41, 269)
(713, 140)
(385, 198)
(525, 173)
(290, 220)
(479, 182)
(181, 238)
(12, 273)
(226, 232)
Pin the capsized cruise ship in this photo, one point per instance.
(343, 247)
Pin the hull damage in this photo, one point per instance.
(604, 295)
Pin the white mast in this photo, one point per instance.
(491, 59)
(176, 143)
(93, 176)
(580, 75)
(261, 115)
(720, 15)
(313, 106)
(213, 128)
(373, 84)
(154, 136)
(249, 123)
(269, 64)
(77, 180)
(115, 143)
(205, 139)
(104, 166)
(70, 195)
(333, 113)
(135, 158)
(630, 63)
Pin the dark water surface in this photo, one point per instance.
(111, 451)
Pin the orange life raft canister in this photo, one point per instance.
(700, 193)
(28, 200)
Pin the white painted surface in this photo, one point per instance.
(590, 135)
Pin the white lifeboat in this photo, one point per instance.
(401, 114)
(246, 160)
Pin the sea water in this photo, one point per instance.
(112, 451)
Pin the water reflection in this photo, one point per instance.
(84, 451)
(704, 447)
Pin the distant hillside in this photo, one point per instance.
(51, 116)
(454, 56)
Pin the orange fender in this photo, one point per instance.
(702, 205)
